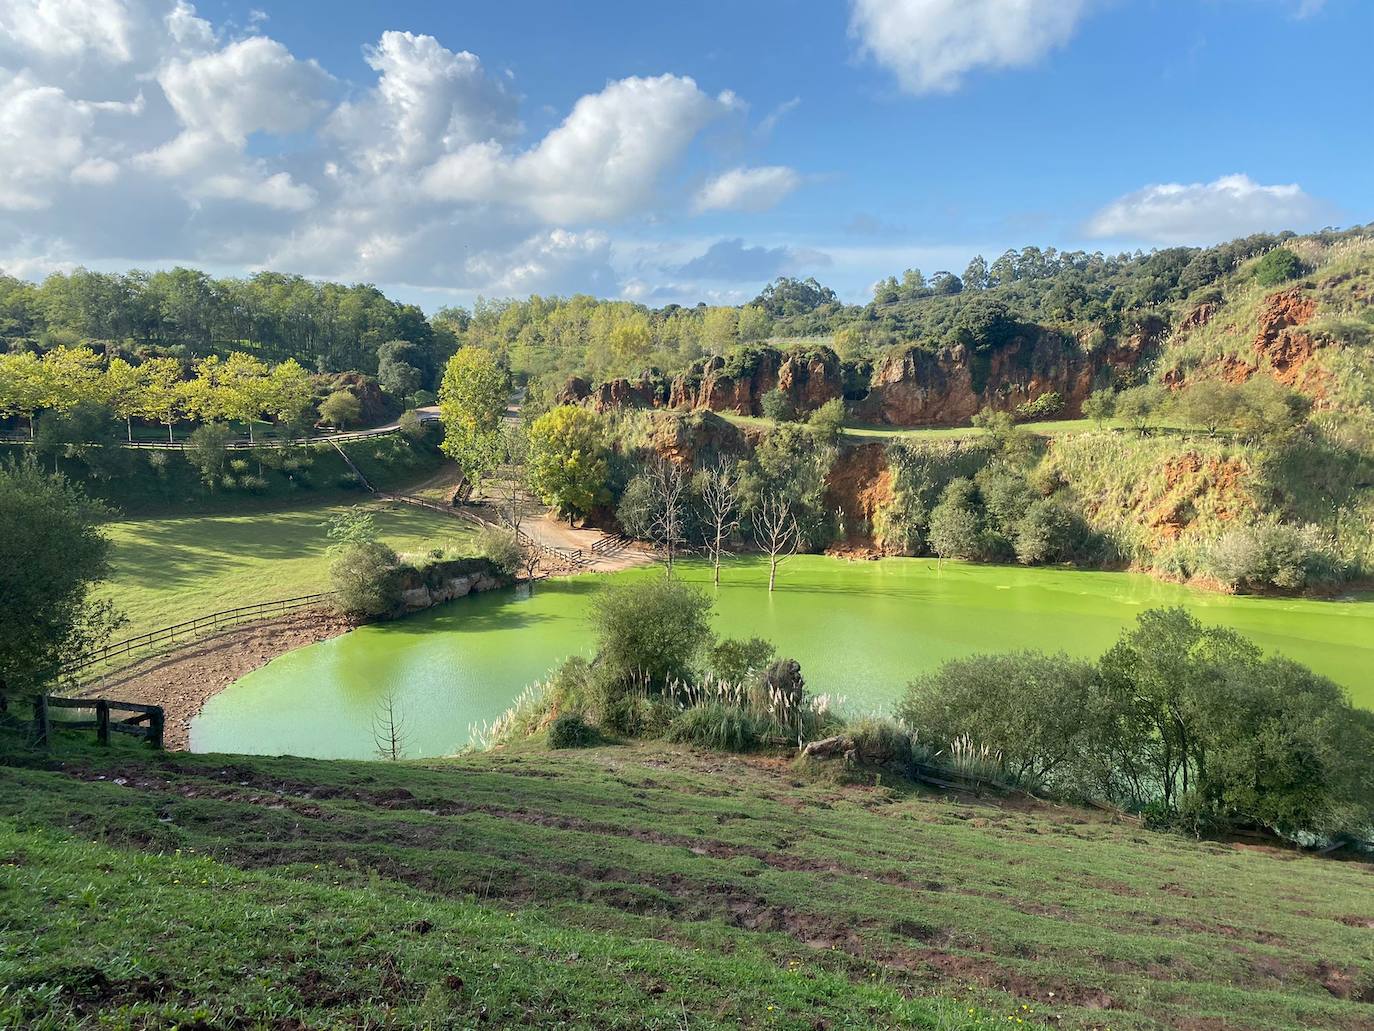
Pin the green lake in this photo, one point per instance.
(861, 630)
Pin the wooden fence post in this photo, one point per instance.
(156, 721)
(41, 727)
(102, 721)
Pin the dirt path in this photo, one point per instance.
(183, 680)
(557, 534)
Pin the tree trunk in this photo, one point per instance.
(129, 425)
(772, 572)
(169, 434)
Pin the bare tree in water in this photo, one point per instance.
(389, 728)
(719, 486)
(776, 533)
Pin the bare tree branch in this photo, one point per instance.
(720, 489)
(389, 729)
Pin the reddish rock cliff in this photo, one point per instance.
(919, 387)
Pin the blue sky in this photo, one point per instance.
(667, 152)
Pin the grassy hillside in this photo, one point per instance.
(626, 887)
(155, 482)
(173, 567)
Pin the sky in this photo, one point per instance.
(667, 152)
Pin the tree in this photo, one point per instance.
(754, 324)
(389, 732)
(651, 629)
(340, 408)
(1208, 403)
(23, 385)
(777, 406)
(976, 274)
(1139, 405)
(121, 388)
(398, 378)
(719, 487)
(1268, 409)
(53, 551)
(1100, 406)
(289, 394)
(208, 450)
(515, 453)
(777, 534)
(827, 421)
(654, 507)
(956, 528)
(87, 432)
(71, 377)
(567, 459)
(165, 398)
(472, 403)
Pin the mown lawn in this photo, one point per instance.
(635, 887)
(175, 567)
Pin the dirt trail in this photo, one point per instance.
(555, 533)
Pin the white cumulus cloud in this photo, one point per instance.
(747, 189)
(604, 161)
(930, 45)
(1179, 213)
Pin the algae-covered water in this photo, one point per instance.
(861, 630)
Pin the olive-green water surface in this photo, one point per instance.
(860, 629)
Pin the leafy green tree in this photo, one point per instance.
(1100, 406)
(472, 403)
(121, 389)
(87, 432)
(208, 450)
(1278, 266)
(53, 551)
(289, 394)
(1140, 406)
(776, 405)
(827, 421)
(341, 408)
(657, 630)
(164, 396)
(1267, 409)
(737, 661)
(365, 572)
(956, 525)
(791, 465)
(754, 324)
(1209, 403)
(568, 459)
(1047, 531)
(23, 385)
(1025, 707)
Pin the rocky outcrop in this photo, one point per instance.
(1278, 341)
(736, 384)
(947, 387)
(808, 379)
(860, 482)
(439, 582)
(699, 438)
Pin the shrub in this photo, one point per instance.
(341, 408)
(735, 661)
(880, 742)
(775, 405)
(1049, 531)
(656, 629)
(570, 730)
(253, 484)
(1047, 404)
(238, 466)
(725, 728)
(1278, 266)
(411, 425)
(366, 578)
(827, 421)
(501, 547)
(956, 527)
(1272, 556)
(1027, 706)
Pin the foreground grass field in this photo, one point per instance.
(634, 888)
(176, 567)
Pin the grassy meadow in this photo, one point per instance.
(635, 887)
(174, 567)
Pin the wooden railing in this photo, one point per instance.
(190, 628)
(147, 722)
(572, 556)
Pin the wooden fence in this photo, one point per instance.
(234, 445)
(571, 556)
(147, 722)
(192, 627)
